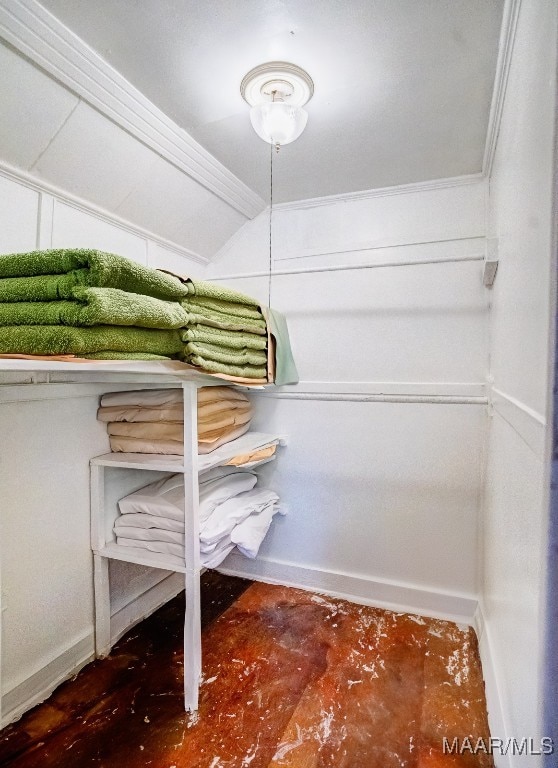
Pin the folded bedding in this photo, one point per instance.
(143, 520)
(119, 444)
(152, 398)
(234, 511)
(53, 274)
(61, 339)
(96, 306)
(149, 534)
(165, 498)
(205, 290)
(244, 371)
(174, 430)
(135, 413)
(124, 444)
(220, 338)
(250, 533)
(225, 355)
(163, 547)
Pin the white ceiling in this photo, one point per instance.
(402, 87)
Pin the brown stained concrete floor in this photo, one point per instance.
(290, 680)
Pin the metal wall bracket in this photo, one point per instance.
(490, 262)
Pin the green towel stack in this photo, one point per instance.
(88, 303)
(225, 331)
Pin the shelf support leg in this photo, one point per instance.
(192, 620)
(102, 606)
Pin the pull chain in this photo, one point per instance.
(271, 147)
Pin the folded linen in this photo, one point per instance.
(96, 306)
(110, 355)
(62, 339)
(230, 513)
(163, 547)
(206, 290)
(149, 534)
(148, 430)
(174, 430)
(152, 398)
(143, 520)
(52, 274)
(225, 355)
(250, 442)
(252, 457)
(165, 498)
(124, 444)
(244, 371)
(228, 308)
(227, 339)
(119, 444)
(250, 533)
(137, 413)
(199, 315)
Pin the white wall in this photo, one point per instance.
(383, 498)
(49, 433)
(515, 527)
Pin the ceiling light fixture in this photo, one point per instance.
(277, 91)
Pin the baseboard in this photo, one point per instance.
(496, 720)
(392, 596)
(38, 686)
(144, 605)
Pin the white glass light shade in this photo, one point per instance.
(277, 122)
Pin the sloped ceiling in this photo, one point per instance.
(403, 87)
(136, 106)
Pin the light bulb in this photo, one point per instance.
(277, 122)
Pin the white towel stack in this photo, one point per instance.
(233, 513)
(152, 421)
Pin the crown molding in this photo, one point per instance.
(399, 189)
(43, 187)
(505, 49)
(43, 39)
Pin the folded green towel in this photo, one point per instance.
(51, 275)
(205, 290)
(246, 371)
(197, 303)
(223, 338)
(96, 306)
(63, 340)
(213, 319)
(110, 355)
(224, 355)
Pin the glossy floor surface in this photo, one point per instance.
(290, 680)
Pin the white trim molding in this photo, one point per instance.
(398, 189)
(529, 425)
(42, 38)
(40, 684)
(505, 50)
(392, 596)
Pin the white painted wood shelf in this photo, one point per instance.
(103, 515)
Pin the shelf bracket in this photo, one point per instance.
(490, 262)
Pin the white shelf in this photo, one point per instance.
(191, 465)
(140, 371)
(249, 442)
(141, 556)
(152, 461)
